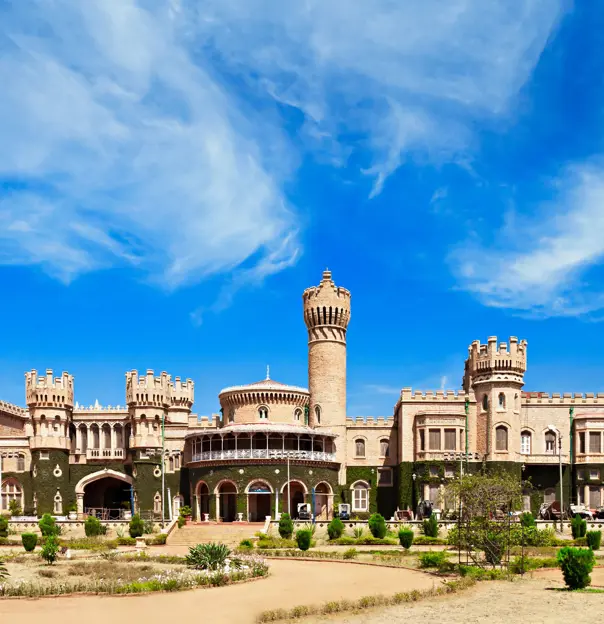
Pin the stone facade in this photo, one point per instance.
(276, 446)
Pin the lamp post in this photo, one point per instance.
(414, 477)
(561, 483)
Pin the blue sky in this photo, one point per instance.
(173, 174)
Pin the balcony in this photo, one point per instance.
(589, 458)
(242, 454)
(445, 456)
(544, 458)
(105, 454)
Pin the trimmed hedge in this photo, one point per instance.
(137, 526)
(92, 527)
(335, 529)
(594, 539)
(303, 538)
(578, 527)
(377, 526)
(405, 537)
(286, 526)
(576, 564)
(29, 541)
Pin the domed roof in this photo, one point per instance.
(264, 385)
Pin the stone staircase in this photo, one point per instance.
(224, 532)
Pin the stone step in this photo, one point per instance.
(230, 534)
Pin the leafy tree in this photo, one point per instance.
(14, 508)
(576, 564)
(286, 526)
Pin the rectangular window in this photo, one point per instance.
(595, 442)
(434, 439)
(44, 455)
(434, 494)
(594, 497)
(449, 439)
(449, 472)
(434, 471)
(422, 440)
(384, 477)
(580, 475)
(525, 443)
(582, 442)
(594, 473)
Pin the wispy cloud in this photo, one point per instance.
(539, 264)
(383, 389)
(121, 149)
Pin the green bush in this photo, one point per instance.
(136, 526)
(351, 553)
(580, 541)
(527, 520)
(303, 538)
(377, 526)
(405, 537)
(92, 526)
(48, 525)
(578, 527)
(286, 526)
(14, 508)
(29, 541)
(181, 522)
(50, 549)
(493, 547)
(157, 540)
(208, 556)
(520, 565)
(422, 540)
(185, 510)
(335, 528)
(593, 539)
(431, 526)
(3, 526)
(433, 559)
(126, 541)
(246, 544)
(576, 564)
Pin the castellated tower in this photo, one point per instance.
(326, 314)
(50, 403)
(148, 398)
(496, 375)
(181, 401)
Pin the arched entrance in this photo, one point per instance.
(226, 501)
(105, 494)
(258, 501)
(323, 501)
(202, 497)
(297, 494)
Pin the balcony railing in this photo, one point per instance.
(544, 458)
(263, 454)
(445, 455)
(116, 453)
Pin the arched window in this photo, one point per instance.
(550, 442)
(360, 497)
(170, 464)
(20, 463)
(263, 413)
(297, 414)
(177, 503)
(525, 442)
(501, 438)
(58, 504)
(501, 400)
(232, 415)
(177, 461)
(11, 491)
(384, 448)
(157, 503)
(317, 415)
(359, 447)
(485, 403)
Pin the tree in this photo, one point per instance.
(50, 550)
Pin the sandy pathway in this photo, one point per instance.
(291, 583)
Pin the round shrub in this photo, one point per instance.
(3, 526)
(578, 527)
(303, 538)
(48, 525)
(92, 527)
(527, 520)
(335, 528)
(29, 541)
(286, 526)
(136, 527)
(377, 526)
(576, 564)
(405, 537)
(593, 539)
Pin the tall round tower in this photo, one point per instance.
(326, 314)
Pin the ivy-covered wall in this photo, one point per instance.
(382, 500)
(46, 484)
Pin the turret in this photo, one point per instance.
(326, 314)
(181, 400)
(50, 403)
(148, 398)
(496, 375)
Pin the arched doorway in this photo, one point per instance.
(106, 494)
(323, 501)
(297, 495)
(258, 501)
(226, 501)
(203, 500)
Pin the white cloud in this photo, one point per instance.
(538, 265)
(383, 389)
(403, 76)
(130, 153)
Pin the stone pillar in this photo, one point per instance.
(80, 503)
(217, 507)
(78, 439)
(586, 495)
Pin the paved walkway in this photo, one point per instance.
(291, 583)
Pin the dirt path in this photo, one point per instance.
(529, 600)
(291, 583)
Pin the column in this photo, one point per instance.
(586, 493)
(267, 446)
(113, 440)
(78, 439)
(217, 507)
(236, 436)
(80, 503)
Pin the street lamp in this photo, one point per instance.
(414, 477)
(559, 434)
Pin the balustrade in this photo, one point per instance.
(263, 454)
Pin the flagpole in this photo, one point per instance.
(289, 498)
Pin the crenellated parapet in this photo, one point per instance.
(408, 394)
(566, 398)
(326, 306)
(492, 361)
(370, 421)
(49, 391)
(148, 390)
(182, 393)
(13, 410)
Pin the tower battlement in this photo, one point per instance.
(148, 389)
(490, 358)
(182, 393)
(326, 304)
(47, 390)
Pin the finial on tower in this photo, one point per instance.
(326, 274)
(268, 372)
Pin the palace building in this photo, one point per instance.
(275, 445)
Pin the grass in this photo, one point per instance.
(363, 603)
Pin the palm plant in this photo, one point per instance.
(208, 556)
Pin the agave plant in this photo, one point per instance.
(3, 570)
(208, 556)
